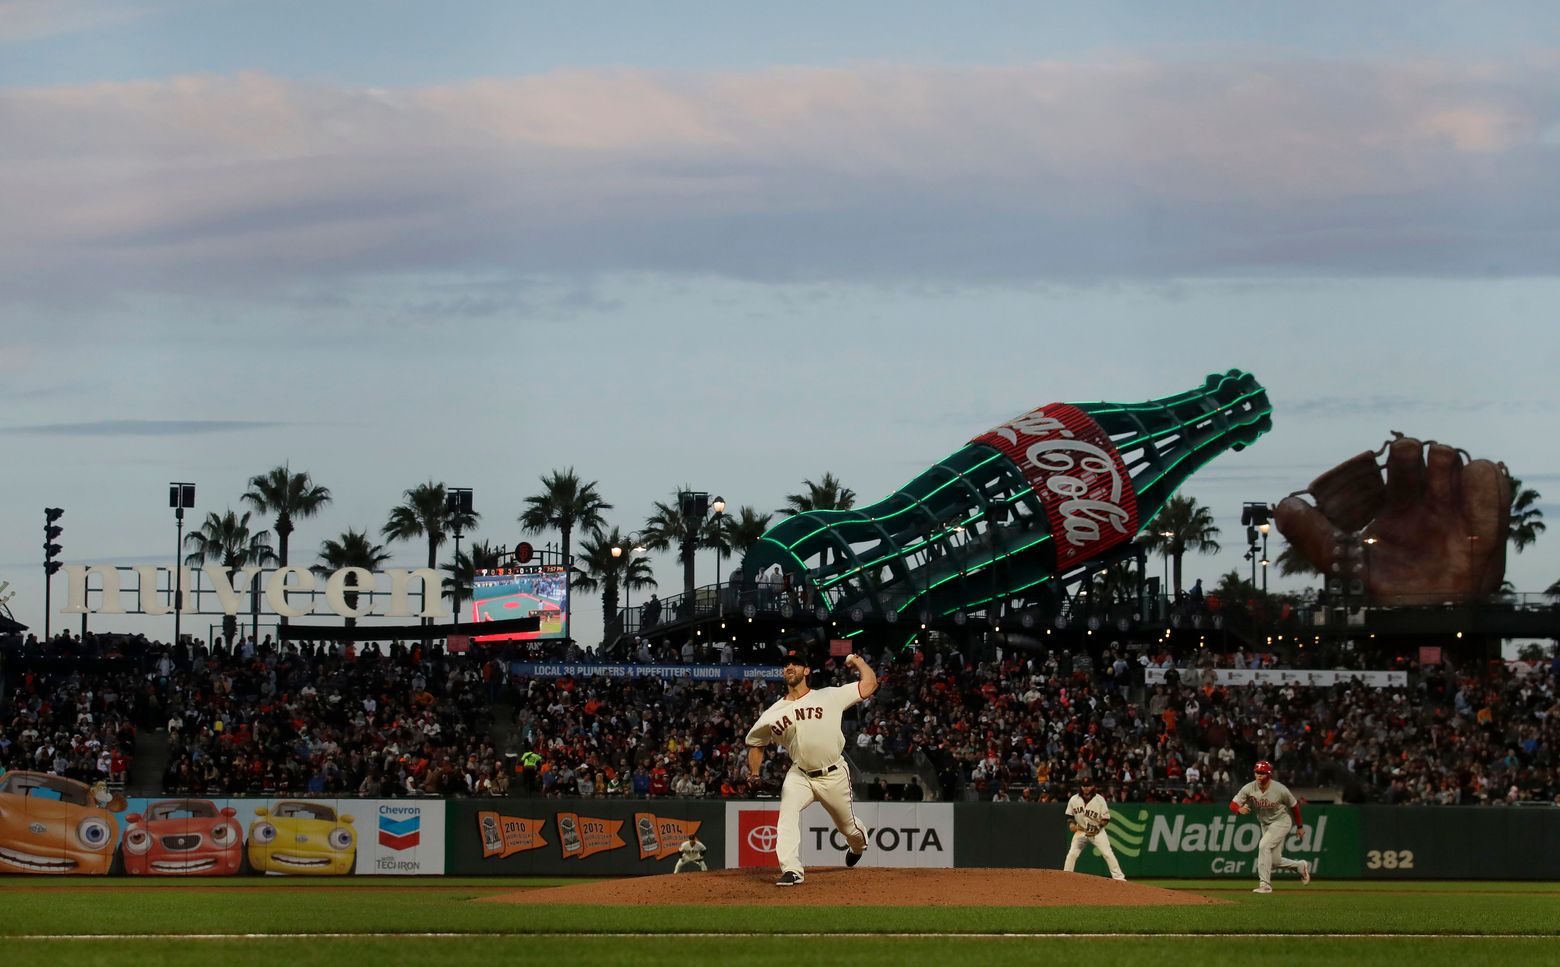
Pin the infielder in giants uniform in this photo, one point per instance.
(807, 723)
(692, 855)
(1087, 815)
(1274, 804)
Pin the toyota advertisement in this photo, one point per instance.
(898, 834)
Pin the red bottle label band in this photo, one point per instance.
(1080, 477)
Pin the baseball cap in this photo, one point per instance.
(794, 656)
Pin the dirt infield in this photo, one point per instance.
(863, 888)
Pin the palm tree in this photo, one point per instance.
(828, 494)
(1233, 589)
(565, 503)
(1553, 590)
(427, 513)
(670, 526)
(463, 569)
(1527, 519)
(226, 540)
(1290, 562)
(597, 568)
(745, 528)
(351, 549)
(289, 496)
(1190, 527)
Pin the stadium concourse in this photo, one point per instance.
(393, 719)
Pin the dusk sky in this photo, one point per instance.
(735, 246)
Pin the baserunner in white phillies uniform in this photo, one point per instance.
(1087, 816)
(807, 722)
(1274, 804)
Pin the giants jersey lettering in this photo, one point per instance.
(809, 727)
(1271, 804)
(1091, 815)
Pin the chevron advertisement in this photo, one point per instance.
(406, 838)
(1153, 840)
(898, 834)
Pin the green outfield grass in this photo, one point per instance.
(67, 910)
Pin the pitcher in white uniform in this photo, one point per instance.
(1274, 804)
(807, 722)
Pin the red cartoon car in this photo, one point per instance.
(183, 837)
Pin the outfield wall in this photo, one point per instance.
(596, 837)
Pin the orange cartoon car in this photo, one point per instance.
(50, 824)
(183, 837)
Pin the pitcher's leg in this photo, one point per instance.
(834, 792)
(795, 795)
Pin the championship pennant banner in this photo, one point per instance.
(584, 836)
(508, 835)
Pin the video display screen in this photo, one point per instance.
(519, 592)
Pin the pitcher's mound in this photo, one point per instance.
(873, 887)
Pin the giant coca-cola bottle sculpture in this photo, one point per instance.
(1007, 520)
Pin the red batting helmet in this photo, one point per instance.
(1264, 768)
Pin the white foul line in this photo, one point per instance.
(620, 935)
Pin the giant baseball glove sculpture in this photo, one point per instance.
(1434, 531)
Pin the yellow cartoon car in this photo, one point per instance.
(302, 837)
(50, 824)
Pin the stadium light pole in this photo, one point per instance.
(181, 497)
(458, 502)
(51, 550)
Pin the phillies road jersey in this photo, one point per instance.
(808, 727)
(1270, 806)
(1089, 815)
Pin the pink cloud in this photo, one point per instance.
(153, 182)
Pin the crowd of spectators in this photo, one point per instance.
(68, 717)
(392, 720)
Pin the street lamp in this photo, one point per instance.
(181, 497)
(1263, 528)
(458, 505)
(718, 509)
(637, 552)
(1167, 535)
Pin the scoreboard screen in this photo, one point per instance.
(520, 592)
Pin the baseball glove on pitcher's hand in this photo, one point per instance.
(1434, 531)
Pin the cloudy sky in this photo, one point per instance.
(735, 246)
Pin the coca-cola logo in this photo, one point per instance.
(1070, 462)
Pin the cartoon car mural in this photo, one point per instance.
(302, 837)
(51, 824)
(183, 837)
